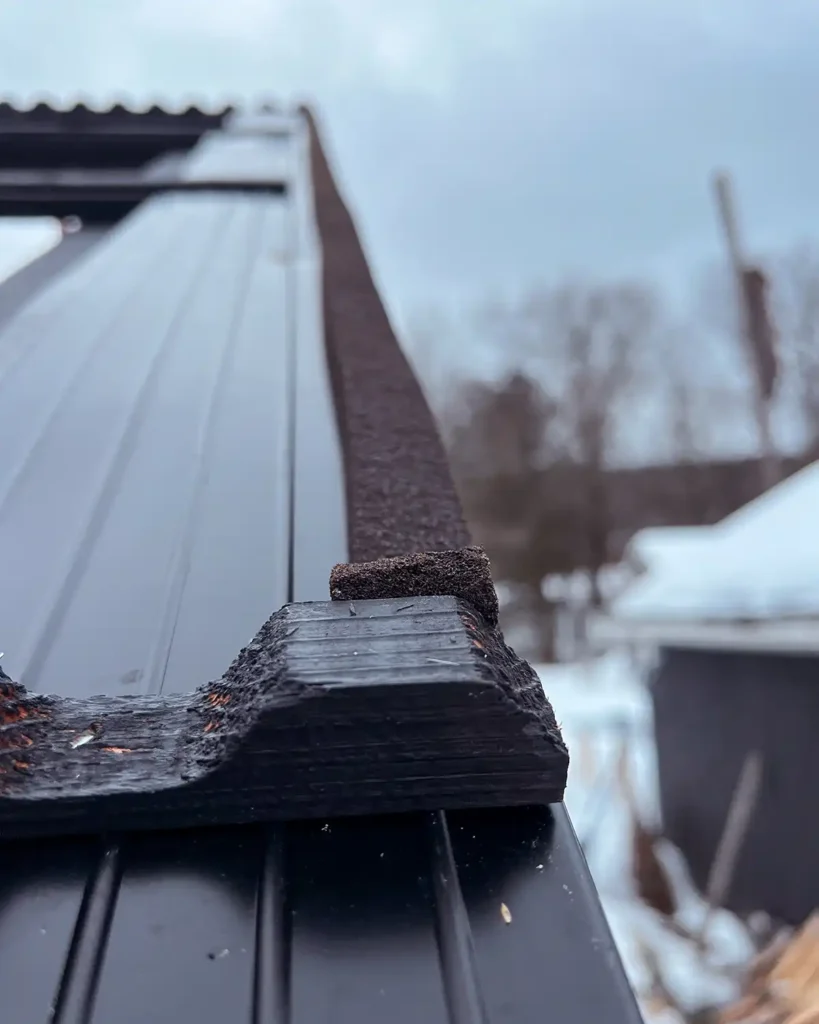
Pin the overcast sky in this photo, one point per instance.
(485, 145)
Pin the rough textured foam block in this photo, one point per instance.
(334, 708)
(400, 492)
(463, 573)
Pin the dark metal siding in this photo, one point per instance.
(711, 709)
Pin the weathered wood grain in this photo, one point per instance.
(334, 708)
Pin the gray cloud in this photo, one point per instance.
(486, 145)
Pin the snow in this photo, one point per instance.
(604, 709)
(658, 546)
(779, 636)
(23, 240)
(761, 562)
(596, 690)
(575, 589)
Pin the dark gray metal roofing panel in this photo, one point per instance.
(41, 891)
(126, 462)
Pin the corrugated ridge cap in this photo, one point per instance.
(46, 105)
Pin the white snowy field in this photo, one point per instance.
(604, 710)
(23, 239)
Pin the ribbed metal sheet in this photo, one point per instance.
(343, 922)
(128, 480)
(169, 474)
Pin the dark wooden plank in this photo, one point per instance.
(334, 708)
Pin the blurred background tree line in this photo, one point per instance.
(604, 411)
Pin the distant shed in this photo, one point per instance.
(734, 617)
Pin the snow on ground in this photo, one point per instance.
(760, 562)
(604, 709)
(23, 240)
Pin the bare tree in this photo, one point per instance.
(578, 389)
(499, 436)
(682, 413)
(728, 390)
(500, 427)
(426, 339)
(599, 381)
(589, 343)
(531, 451)
(796, 294)
(693, 410)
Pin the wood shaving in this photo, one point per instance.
(788, 991)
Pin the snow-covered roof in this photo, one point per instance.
(656, 547)
(760, 563)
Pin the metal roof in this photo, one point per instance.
(100, 165)
(132, 394)
(45, 135)
(170, 473)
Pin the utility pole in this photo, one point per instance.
(756, 332)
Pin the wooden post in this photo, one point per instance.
(769, 463)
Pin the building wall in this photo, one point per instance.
(711, 709)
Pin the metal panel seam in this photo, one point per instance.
(271, 996)
(453, 931)
(160, 655)
(74, 381)
(75, 999)
(37, 654)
